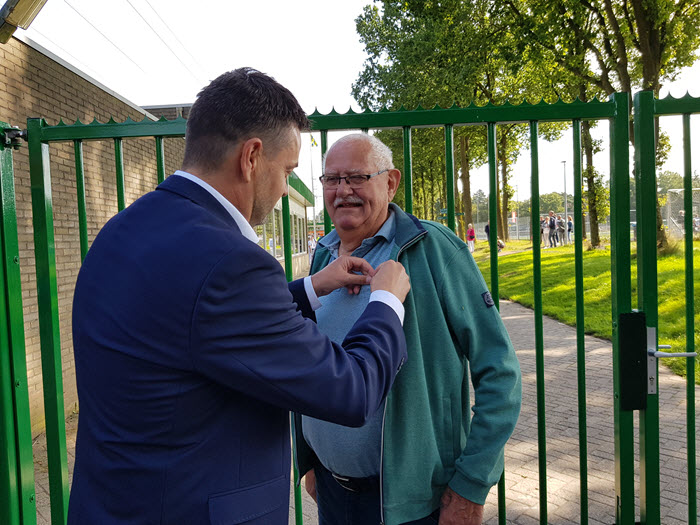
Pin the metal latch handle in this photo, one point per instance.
(656, 354)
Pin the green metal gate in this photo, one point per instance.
(633, 334)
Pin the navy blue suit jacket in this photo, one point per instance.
(190, 351)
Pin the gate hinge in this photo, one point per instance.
(12, 137)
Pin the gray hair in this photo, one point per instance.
(380, 155)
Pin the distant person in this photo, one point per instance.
(544, 231)
(561, 230)
(500, 244)
(311, 247)
(190, 347)
(486, 231)
(569, 228)
(552, 230)
(471, 237)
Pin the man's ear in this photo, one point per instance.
(394, 177)
(251, 155)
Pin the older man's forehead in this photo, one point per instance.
(346, 171)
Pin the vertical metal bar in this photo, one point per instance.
(450, 172)
(502, 518)
(49, 327)
(287, 239)
(9, 462)
(645, 170)
(80, 187)
(580, 333)
(16, 461)
(408, 169)
(493, 217)
(689, 323)
(621, 295)
(119, 162)
(493, 197)
(289, 272)
(326, 217)
(539, 332)
(160, 159)
(491, 137)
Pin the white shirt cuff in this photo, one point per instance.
(311, 294)
(389, 299)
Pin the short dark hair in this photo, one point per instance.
(236, 106)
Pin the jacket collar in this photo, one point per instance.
(408, 227)
(194, 192)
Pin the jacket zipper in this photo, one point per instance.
(410, 243)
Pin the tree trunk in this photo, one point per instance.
(466, 182)
(589, 173)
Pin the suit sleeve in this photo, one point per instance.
(495, 374)
(248, 334)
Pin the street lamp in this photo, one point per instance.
(17, 13)
(517, 213)
(566, 200)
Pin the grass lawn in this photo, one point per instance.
(558, 290)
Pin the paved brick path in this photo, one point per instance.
(522, 475)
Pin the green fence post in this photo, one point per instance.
(450, 172)
(326, 217)
(289, 272)
(80, 189)
(119, 165)
(493, 216)
(645, 170)
(407, 169)
(16, 461)
(160, 159)
(49, 326)
(621, 292)
(580, 332)
(539, 332)
(287, 238)
(689, 322)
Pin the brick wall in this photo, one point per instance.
(34, 85)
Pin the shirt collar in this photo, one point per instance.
(246, 229)
(387, 231)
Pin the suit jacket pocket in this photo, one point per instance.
(252, 505)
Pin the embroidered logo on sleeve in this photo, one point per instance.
(488, 300)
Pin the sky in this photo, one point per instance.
(157, 52)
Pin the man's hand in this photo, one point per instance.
(391, 276)
(456, 510)
(342, 272)
(310, 484)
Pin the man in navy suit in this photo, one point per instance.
(190, 347)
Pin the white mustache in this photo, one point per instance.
(347, 200)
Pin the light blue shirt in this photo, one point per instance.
(353, 452)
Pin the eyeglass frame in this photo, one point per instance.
(368, 177)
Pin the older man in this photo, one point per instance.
(421, 458)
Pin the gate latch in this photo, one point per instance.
(632, 339)
(12, 137)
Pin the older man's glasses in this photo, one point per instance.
(354, 181)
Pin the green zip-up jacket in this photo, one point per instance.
(430, 436)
